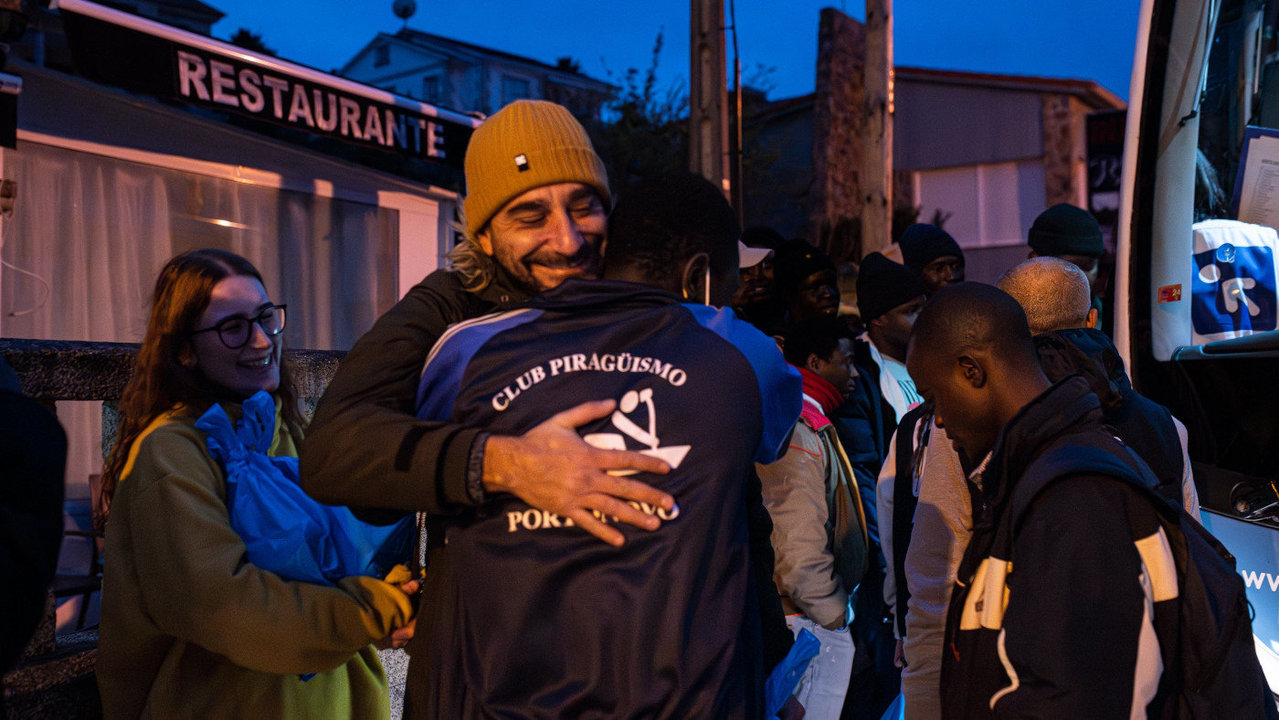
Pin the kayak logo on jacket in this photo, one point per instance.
(534, 519)
(672, 454)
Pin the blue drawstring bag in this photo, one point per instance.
(896, 711)
(285, 530)
(782, 681)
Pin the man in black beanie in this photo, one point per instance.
(806, 281)
(1072, 234)
(889, 296)
(933, 254)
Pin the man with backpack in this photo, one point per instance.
(1074, 596)
(924, 491)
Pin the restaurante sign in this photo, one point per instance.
(143, 56)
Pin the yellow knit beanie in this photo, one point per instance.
(527, 144)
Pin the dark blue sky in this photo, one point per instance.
(1085, 39)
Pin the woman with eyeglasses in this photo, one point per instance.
(189, 627)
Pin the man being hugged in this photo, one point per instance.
(526, 614)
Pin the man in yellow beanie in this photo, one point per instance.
(536, 207)
(529, 159)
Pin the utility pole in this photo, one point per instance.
(877, 160)
(708, 95)
(737, 184)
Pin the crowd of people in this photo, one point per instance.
(650, 460)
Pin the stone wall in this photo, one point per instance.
(53, 370)
(838, 123)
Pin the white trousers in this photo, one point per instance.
(822, 688)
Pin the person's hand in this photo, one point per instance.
(401, 636)
(398, 638)
(551, 468)
(899, 655)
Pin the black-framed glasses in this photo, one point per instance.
(235, 331)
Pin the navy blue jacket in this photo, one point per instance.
(528, 616)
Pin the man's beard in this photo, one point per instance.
(587, 258)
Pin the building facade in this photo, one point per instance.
(470, 78)
(982, 153)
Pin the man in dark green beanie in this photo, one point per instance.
(1072, 234)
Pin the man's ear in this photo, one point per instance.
(693, 277)
(186, 356)
(813, 362)
(484, 239)
(973, 371)
(1092, 318)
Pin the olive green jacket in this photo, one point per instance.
(191, 629)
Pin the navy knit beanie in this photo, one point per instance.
(1064, 229)
(923, 243)
(794, 261)
(883, 285)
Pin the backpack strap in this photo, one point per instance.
(1095, 454)
(1091, 454)
(904, 499)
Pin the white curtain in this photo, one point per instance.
(97, 230)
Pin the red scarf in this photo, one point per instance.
(824, 392)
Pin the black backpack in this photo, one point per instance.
(1214, 663)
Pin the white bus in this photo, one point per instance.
(1197, 307)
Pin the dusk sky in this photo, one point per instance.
(1085, 39)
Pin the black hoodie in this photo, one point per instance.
(1143, 424)
(1049, 620)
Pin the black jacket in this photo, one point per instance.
(1048, 617)
(33, 448)
(526, 617)
(364, 447)
(1145, 425)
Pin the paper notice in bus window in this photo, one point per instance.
(1256, 193)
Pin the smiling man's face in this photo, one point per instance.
(548, 234)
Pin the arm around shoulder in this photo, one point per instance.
(365, 447)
